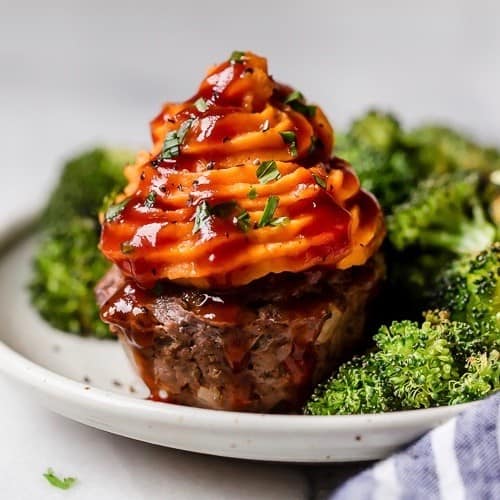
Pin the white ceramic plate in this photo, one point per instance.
(91, 381)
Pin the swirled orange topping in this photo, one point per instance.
(240, 183)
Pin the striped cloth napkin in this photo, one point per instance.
(458, 460)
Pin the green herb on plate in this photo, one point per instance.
(268, 171)
(290, 139)
(174, 141)
(236, 56)
(63, 484)
(269, 209)
(243, 221)
(252, 193)
(297, 102)
(201, 105)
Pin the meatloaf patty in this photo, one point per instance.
(260, 347)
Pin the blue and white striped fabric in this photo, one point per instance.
(459, 460)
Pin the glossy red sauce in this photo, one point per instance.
(236, 127)
(133, 312)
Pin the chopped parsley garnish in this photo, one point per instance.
(268, 171)
(269, 209)
(243, 221)
(320, 181)
(126, 247)
(223, 210)
(115, 210)
(201, 105)
(171, 146)
(183, 129)
(265, 126)
(279, 221)
(296, 102)
(64, 484)
(294, 96)
(290, 139)
(201, 216)
(252, 193)
(150, 200)
(174, 140)
(236, 56)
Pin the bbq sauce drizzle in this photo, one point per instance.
(240, 183)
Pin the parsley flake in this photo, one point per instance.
(201, 216)
(64, 484)
(201, 105)
(126, 247)
(268, 171)
(174, 140)
(269, 209)
(204, 212)
(294, 96)
(252, 193)
(183, 129)
(296, 101)
(236, 56)
(320, 181)
(243, 221)
(115, 210)
(290, 139)
(279, 221)
(149, 202)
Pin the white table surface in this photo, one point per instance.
(73, 74)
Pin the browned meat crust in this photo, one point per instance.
(257, 348)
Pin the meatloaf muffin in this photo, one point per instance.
(244, 254)
(260, 347)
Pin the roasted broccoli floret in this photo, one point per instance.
(359, 386)
(377, 130)
(372, 146)
(442, 221)
(84, 182)
(463, 339)
(470, 289)
(418, 361)
(68, 264)
(390, 161)
(439, 149)
(444, 213)
(413, 366)
(481, 378)
(441, 206)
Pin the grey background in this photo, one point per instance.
(73, 73)
(76, 73)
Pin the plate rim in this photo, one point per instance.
(18, 367)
